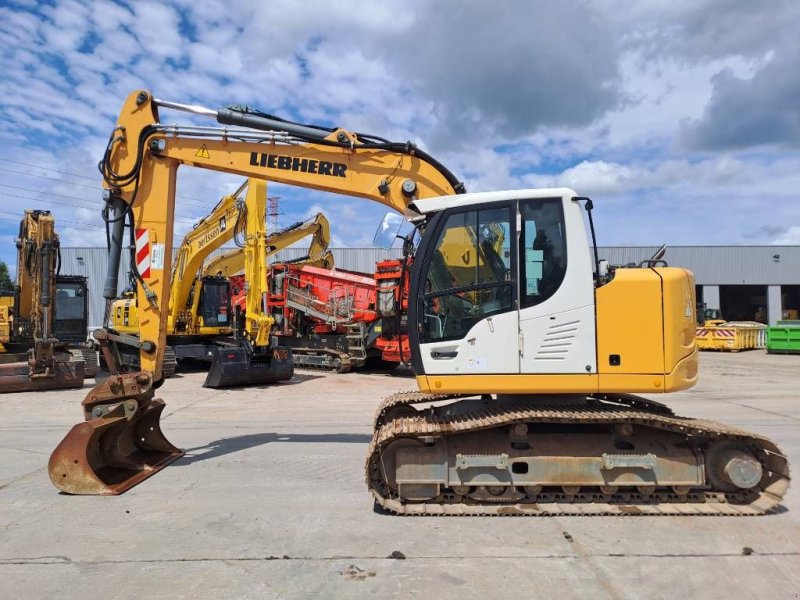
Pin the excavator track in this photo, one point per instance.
(421, 432)
(325, 360)
(89, 357)
(168, 367)
(170, 362)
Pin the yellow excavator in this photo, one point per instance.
(35, 359)
(199, 307)
(201, 319)
(526, 364)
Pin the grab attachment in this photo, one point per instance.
(119, 445)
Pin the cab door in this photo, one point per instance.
(466, 312)
(556, 315)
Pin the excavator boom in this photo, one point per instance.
(140, 167)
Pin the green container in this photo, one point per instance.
(784, 338)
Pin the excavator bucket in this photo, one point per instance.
(240, 365)
(119, 445)
(15, 374)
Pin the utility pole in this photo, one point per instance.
(272, 214)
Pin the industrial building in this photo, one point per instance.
(747, 283)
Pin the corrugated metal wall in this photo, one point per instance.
(712, 265)
(722, 265)
(92, 263)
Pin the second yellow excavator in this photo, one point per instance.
(201, 319)
(525, 359)
(199, 308)
(43, 324)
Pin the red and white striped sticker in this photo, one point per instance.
(728, 333)
(143, 252)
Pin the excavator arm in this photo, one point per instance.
(258, 323)
(139, 168)
(142, 157)
(231, 262)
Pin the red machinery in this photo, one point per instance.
(336, 319)
(392, 278)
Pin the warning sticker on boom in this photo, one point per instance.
(157, 260)
(203, 152)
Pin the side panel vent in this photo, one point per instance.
(558, 341)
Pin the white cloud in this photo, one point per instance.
(790, 238)
(597, 104)
(591, 177)
(157, 29)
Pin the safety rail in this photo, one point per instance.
(336, 310)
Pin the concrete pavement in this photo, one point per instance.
(270, 502)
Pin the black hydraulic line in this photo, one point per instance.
(264, 122)
(45, 261)
(111, 177)
(246, 117)
(286, 125)
(240, 229)
(29, 258)
(116, 209)
(589, 207)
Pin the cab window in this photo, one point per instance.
(470, 274)
(543, 250)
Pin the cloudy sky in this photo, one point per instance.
(681, 118)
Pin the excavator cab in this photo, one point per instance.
(215, 302)
(72, 309)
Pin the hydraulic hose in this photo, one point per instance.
(45, 262)
(245, 117)
(116, 211)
